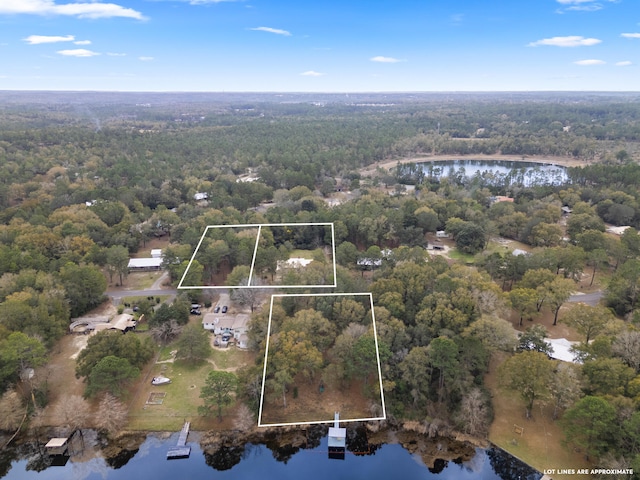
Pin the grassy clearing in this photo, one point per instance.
(297, 253)
(456, 254)
(230, 358)
(180, 403)
(183, 393)
(135, 300)
(141, 280)
(541, 443)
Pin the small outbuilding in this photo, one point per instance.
(57, 446)
(337, 439)
(145, 264)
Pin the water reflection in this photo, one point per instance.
(280, 454)
(487, 173)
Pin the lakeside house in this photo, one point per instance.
(617, 230)
(145, 264)
(294, 262)
(233, 325)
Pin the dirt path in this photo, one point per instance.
(157, 285)
(562, 161)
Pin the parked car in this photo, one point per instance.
(216, 310)
(195, 311)
(224, 309)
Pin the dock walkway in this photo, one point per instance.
(181, 450)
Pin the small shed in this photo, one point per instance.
(156, 253)
(57, 446)
(337, 439)
(243, 341)
(436, 245)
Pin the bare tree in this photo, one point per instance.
(166, 331)
(73, 412)
(247, 297)
(11, 411)
(244, 419)
(627, 346)
(565, 387)
(113, 414)
(474, 413)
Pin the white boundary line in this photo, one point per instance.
(255, 254)
(264, 287)
(266, 354)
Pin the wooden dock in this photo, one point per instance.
(181, 450)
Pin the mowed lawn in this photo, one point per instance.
(182, 397)
(180, 403)
(541, 443)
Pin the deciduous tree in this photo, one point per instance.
(194, 344)
(529, 374)
(73, 411)
(113, 414)
(587, 320)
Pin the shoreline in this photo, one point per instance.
(546, 160)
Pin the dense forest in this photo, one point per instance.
(86, 181)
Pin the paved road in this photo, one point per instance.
(589, 298)
(141, 293)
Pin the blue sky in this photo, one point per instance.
(320, 46)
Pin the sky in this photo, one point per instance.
(320, 45)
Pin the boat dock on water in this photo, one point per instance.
(181, 450)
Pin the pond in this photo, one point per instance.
(147, 460)
(494, 173)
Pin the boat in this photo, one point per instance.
(160, 381)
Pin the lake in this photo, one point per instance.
(251, 461)
(496, 173)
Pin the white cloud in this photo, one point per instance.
(205, 2)
(594, 7)
(78, 52)
(38, 39)
(456, 19)
(569, 41)
(145, 59)
(589, 62)
(582, 5)
(113, 54)
(625, 63)
(630, 35)
(277, 31)
(381, 59)
(83, 42)
(75, 9)
(312, 73)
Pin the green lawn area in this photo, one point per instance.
(541, 441)
(141, 280)
(297, 253)
(230, 358)
(456, 254)
(183, 393)
(135, 300)
(180, 403)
